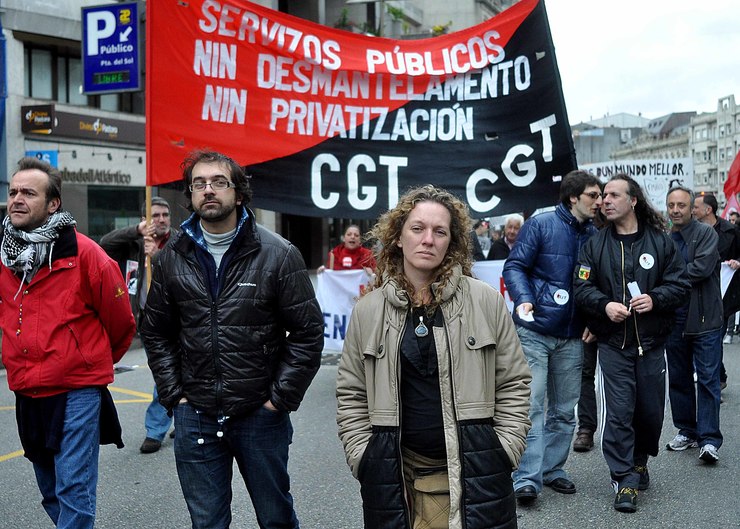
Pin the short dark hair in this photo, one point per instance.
(54, 187)
(156, 201)
(734, 213)
(711, 201)
(238, 175)
(575, 183)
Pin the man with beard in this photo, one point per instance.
(131, 246)
(234, 336)
(65, 321)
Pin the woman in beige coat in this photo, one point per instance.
(433, 387)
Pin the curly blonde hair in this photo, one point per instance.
(388, 230)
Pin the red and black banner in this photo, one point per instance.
(336, 124)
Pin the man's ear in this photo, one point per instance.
(53, 205)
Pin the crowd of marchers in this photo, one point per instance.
(607, 278)
(452, 411)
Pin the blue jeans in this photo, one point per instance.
(259, 442)
(695, 413)
(68, 486)
(556, 379)
(156, 420)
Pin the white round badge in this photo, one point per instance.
(561, 296)
(647, 261)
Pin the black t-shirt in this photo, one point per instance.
(422, 429)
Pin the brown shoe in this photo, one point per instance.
(584, 441)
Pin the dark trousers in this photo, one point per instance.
(634, 387)
(587, 400)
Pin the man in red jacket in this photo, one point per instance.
(66, 320)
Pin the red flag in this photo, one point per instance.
(732, 184)
(731, 206)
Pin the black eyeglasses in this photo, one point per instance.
(216, 185)
(593, 195)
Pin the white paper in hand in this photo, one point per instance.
(633, 288)
(529, 316)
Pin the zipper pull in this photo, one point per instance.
(639, 350)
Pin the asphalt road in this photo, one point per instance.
(141, 491)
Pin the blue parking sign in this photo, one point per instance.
(110, 48)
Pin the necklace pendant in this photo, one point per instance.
(421, 329)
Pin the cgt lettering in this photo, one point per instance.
(360, 168)
(519, 167)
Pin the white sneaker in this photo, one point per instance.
(709, 454)
(681, 442)
(727, 339)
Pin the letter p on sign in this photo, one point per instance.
(101, 25)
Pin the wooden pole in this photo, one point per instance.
(148, 263)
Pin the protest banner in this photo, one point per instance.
(336, 124)
(655, 176)
(337, 291)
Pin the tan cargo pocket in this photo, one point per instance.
(431, 501)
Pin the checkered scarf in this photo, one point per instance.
(25, 251)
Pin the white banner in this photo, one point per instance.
(337, 293)
(490, 272)
(655, 176)
(725, 277)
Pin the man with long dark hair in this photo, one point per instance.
(629, 280)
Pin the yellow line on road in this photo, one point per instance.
(132, 401)
(7, 408)
(131, 392)
(11, 455)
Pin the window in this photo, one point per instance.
(40, 82)
(55, 73)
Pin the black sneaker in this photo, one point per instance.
(644, 477)
(626, 500)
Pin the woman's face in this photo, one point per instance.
(352, 238)
(424, 240)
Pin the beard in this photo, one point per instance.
(214, 213)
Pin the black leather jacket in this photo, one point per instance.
(260, 338)
(604, 268)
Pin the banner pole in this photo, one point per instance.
(148, 263)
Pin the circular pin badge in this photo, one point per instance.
(561, 296)
(647, 261)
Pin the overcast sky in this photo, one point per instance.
(645, 56)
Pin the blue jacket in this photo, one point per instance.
(539, 271)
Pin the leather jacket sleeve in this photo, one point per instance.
(159, 331)
(304, 323)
